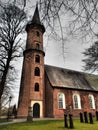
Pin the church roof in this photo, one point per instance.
(65, 78)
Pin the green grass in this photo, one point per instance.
(49, 125)
(4, 120)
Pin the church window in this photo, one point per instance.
(36, 87)
(37, 46)
(37, 58)
(76, 101)
(37, 33)
(61, 101)
(91, 101)
(37, 71)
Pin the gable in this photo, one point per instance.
(60, 77)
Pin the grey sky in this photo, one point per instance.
(53, 55)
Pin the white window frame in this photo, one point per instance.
(78, 101)
(61, 101)
(91, 101)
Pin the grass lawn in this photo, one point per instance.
(4, 120)
(49, 125)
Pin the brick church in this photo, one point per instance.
(50, 91)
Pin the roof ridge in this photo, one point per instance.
(69, 78)
(65, 68)
(69, 69)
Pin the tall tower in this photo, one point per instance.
(32, 81)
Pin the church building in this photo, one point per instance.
(51, 91)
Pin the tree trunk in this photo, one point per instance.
(5, 72)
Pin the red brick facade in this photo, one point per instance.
(32, 82)
(43, 98)
(52, 109)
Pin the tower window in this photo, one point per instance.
(37, 33)
(37, 71)
(37, 46)
(36, 87)
(37, 58)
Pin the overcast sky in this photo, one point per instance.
(53, 56)
(73, 59)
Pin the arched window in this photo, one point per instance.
(36, 87)
(91, 101)
(37, 71)
(61, 101)
(76, 101)
(37, 46)
(37, 58)
(37, 33)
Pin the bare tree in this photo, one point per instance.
(12, 22)
(91, 60)
(67, 19)
(82, 16)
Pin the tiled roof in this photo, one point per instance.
(60, 77)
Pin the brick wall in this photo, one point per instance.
(28, 80)
(23, 103)
(69, 102)
(48, 98)
(52, 105)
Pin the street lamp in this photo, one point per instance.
(10, 98)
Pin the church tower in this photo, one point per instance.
(32, 81)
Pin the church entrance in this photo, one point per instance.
(36, 110)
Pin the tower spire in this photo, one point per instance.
(36, 18)
(35, 22)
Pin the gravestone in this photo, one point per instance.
(81, 117)
(91, 118)
(71, 121)
(97, 115)
(29, 117)
(65, 121)
(85, 117)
